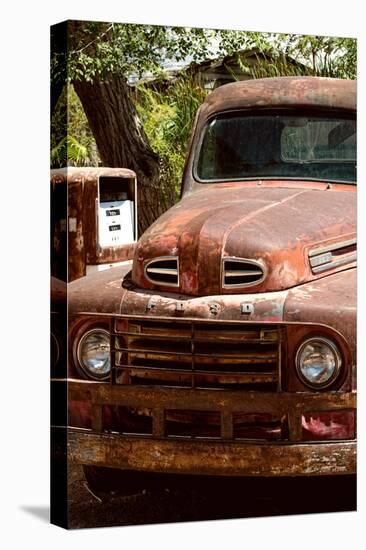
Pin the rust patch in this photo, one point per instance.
(208, 458)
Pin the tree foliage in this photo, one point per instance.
(73, 145)
(69, 151)
(99, 49)
(167, 117)
(325, 55)
(107, 55)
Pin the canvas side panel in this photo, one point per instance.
(58, 243)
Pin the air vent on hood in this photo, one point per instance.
(163, 271)
(241, 272)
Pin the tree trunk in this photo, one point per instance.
(122, 142)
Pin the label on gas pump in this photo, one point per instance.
(116, 223)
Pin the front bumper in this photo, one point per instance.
(221, 456)
(212, 458)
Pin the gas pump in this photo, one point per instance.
(101, 222)
(116, 212)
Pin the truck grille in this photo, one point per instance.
(163, 271)
(197, 354)
(238, 273)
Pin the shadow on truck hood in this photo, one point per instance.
(275, 226)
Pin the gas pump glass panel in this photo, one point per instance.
(116, 213)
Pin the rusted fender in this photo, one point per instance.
(98, 292)
(331, 301)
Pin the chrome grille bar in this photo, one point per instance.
(196, 353)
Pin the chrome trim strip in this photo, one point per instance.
(330, 247)
(243, 273)
(350, 258)
(161, 271)
(321, 259)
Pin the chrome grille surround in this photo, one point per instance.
(163, 271)
(241, 272)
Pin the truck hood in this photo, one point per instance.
(276, 227)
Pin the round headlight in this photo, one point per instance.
(93, 353)
(318, 362)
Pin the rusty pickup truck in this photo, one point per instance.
(229, 349)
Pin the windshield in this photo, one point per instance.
(241, 146)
